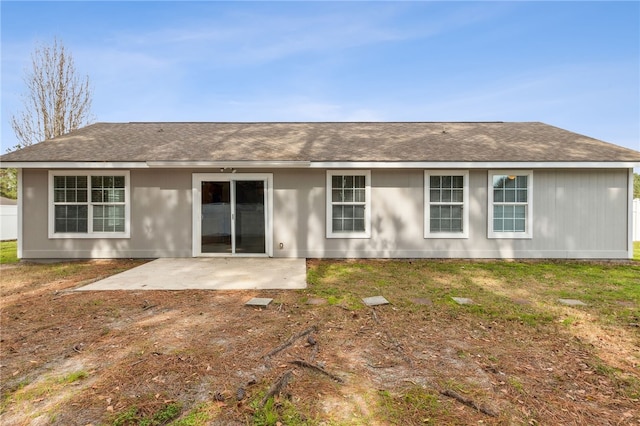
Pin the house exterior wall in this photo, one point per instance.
(576, 214)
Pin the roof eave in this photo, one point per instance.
(321, 164)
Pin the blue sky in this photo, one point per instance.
(574, 65)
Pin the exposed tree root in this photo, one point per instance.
(316, 367)
(468, 402)
(291, 341)
(278, 386)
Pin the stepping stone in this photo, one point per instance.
(463, 301)
(571, 302)
(260, 302)
(316, 301)
(422, 301)
(375, 301)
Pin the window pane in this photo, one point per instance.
(457, 196)
(81, 182)
(358, 225)
(348, 195)
(96, 196)
(519, 225)
(434, 196)
(498, 195)
(521, 181)
(359, 182)
(96, 181)
(509, 195)
(456, 225)
(359, 196)
(118, 181)
(58, 196)
(458, 182)
(358, 212)
(337, 225)
(70, 196)
(498, 181)
(521, 196)
(336, 195)
(347, 211)
(336, 181)
(456, 212)
(520, 212)
(510, 182)
(107, 181)
(434, 181)
(446, 195)
(497, 225)
(446, 181)
(347, 181)
(337, 212)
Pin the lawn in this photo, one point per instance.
(513, 356)
(8, 252)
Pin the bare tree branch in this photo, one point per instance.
(56, 101)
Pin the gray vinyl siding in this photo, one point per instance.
(576, 214)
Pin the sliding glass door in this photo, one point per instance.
(232, 215)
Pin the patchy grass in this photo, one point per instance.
(636, 250)
(8, 252)
(182, 358)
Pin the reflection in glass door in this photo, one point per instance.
(233, 217)
(216, 217)
(249, 223)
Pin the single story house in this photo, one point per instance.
(325, 190)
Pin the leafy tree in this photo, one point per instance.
(8, 183)
(57, 100)
(636, 185)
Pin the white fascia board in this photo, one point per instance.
(75, 165)
(228, 164)
(471, 165)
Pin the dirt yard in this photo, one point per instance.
(202, 357)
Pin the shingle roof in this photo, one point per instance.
(324, 142)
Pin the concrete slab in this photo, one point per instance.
(375, 301)
(246, 273)
(571, 302)
(463, 300)
(261, 302)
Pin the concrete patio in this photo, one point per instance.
(209, 274)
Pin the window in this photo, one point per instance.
(510, 207)
(348, 200)
(89, 205)
(446, 204)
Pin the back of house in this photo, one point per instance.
(325, 190)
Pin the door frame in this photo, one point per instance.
(198, 178)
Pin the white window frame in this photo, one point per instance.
(464, 204)
(90, 233)
(367, 204)
(528, 232)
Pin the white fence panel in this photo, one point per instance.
(636, 219)
(8, 222)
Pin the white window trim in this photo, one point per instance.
(528, 233)
(89, 234)
(367, 204)
(465, 204)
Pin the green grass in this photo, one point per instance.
(636, 250)
(161, 417)
(8, 252)
(492, 285)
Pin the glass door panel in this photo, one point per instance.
(216, 217)
(249, 217)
